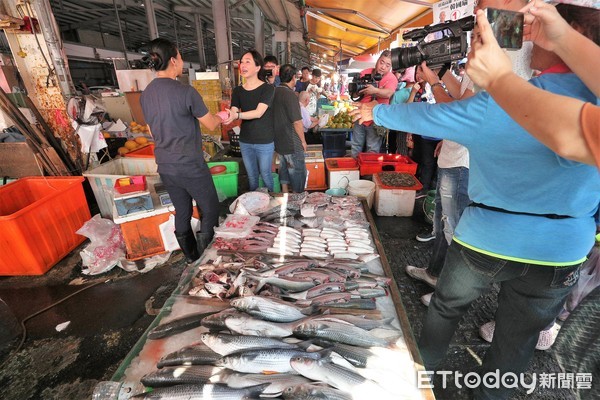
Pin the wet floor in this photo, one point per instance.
(109, 318)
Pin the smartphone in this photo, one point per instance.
(507, 27)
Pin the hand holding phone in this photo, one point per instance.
(507, 27)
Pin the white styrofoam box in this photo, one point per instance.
(341, 178)
(393, 202)
(102, 178)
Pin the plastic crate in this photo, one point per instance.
(136, 184)
(372, 163)
(102, 179)
(143, 152)
(38, 221)
(227, 182)
(395, 201)
(341, 171)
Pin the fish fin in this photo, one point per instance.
(267, 372)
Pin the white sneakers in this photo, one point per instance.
(545, 340)
(426, 299)
(421, 274)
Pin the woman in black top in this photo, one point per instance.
(251, 103)
(173, 110)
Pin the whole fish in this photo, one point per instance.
(266, 360)
(309, 391)
(329, 298)
(216, 322)
(247, 325)
(360, 304)
(178, 325)
(372, 293)
(209, 391)
(195, 354)
(373, 357)
(278, 382)
(340, 378)
(360, 321)
(286, 283)
(225, 344)
(330, 287)
(269, 309)
(180, 375)
(338, 331)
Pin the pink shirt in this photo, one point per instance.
(388, 81)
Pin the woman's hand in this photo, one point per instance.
(543, 25)
(487, 61)
(232, 117)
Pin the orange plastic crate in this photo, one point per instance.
(38, 221)
(371, 163)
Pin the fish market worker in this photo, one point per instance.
(172, 110)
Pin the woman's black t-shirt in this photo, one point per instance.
(259, 130)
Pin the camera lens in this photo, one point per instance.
(404, 57)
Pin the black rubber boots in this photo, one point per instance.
(189, 246)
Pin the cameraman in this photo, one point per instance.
(365, 133)
(271, 64)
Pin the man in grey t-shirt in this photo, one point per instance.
(289, 132)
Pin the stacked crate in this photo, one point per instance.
(210, 90)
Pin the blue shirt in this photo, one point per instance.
(512, 170)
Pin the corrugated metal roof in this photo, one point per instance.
(357, 26)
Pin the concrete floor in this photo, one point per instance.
(107, 320)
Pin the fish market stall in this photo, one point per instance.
(293, 299)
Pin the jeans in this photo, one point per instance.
(258, 160)
(292, 169)
(530, 297)
(451, 199)
(423, 154)
(362, 135)
(202, 189)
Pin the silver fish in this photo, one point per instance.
(330, 287)
(266, 360)
(247, 325)
(314, 392)
(286, 283)
(360, 321)
(216, 322)
(225, 344)
(195, 354)
(180, 375)
(278, 382)
(177, 325)
(340, 378)
(207, 391)
(341, 332)
(269, 309)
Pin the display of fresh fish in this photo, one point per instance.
(330, 287)
(357, 320)
(340, 378)
(225, 344)
(178, 325)
(334, 276)
(278, 382)
(370, 293)
(312, 275)
(347, 255)
(329, 298)
(180, 375)
(311, 391)
(209, 391)
(269, 309)
(195, 354)
(341, 332)
(345, 269)
(266, 360)
(360, 304)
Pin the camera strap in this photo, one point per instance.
(443, 70)
(502, 210)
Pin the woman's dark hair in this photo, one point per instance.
(161, 51)
(258, 61)
(584, 19)
(287, 72)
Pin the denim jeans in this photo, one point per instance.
(258, 160)
(292, 169)
(530, 297)
(362, 135)
(451, 199)
(202, 189)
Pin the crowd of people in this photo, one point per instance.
(527, 232)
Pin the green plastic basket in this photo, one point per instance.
(276, 185)
(227, 182)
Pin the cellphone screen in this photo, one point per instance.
(507, 27)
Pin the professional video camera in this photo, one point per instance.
(452, 47)
(360, 82)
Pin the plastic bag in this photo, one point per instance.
(107, 246)
(589, 279)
